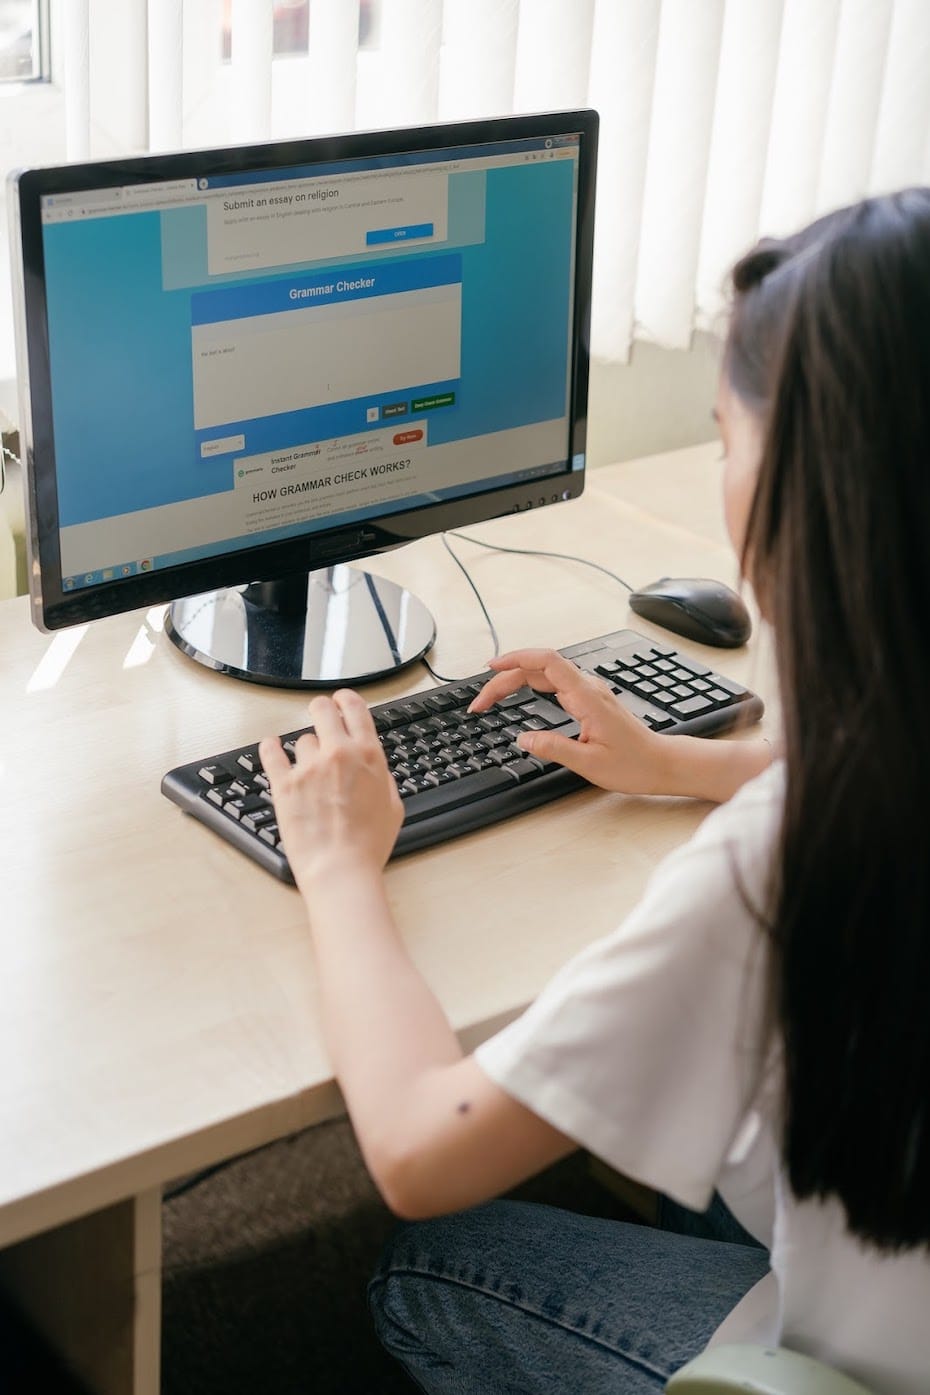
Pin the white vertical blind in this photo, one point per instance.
(77, 79)
(855, 96)
(411, 31)
(806, 58)
(478, 58)
(119, 114)
(165, 55)
(553, 54)
(623, 56)
(738, 144)
(252, 49)
(902, 137)
(720, 119)
(333, 43)
(676, 167)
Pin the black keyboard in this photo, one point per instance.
(458, 771)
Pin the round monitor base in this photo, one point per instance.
(337, 627)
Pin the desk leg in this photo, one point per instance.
(92, 1288)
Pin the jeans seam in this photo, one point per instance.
(637, 1361)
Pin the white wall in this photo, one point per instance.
(661, 399)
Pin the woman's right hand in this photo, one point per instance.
(613, 749)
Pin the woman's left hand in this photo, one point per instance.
(337, 806)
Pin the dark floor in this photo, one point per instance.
(26, 1365)
(266, 1263)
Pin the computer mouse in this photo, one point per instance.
(696, 608)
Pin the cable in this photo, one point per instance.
(539, 552)
(521, 552)
(442, 677)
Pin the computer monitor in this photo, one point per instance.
(242, 369)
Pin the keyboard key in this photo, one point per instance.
(269, 834)
(736, 689)
(473, 785)
(235, 808)
(464, 693)
(419, 729)
(547, 712)
(698, 703)
(439, 702)
(525, 769)
(214, 774)
(410, 710)
(249, 761)
(385, 721)
(692, 666)
(491, 722)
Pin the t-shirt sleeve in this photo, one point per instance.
(648, 1048)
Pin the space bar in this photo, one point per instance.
(456, 793)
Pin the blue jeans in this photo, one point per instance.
(515, 1298)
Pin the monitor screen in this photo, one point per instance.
(243, 364)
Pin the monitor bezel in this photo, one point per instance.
(54, 608)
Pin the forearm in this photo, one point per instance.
(384, 1028)
(715, 770)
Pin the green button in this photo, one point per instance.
(426, 404)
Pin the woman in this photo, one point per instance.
(758, 1025)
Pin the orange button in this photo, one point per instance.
(403, 437)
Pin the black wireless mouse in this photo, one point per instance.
(696, 608)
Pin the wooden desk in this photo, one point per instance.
(158, 988)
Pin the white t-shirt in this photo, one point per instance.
(655, 1049)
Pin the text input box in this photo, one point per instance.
(255, 367)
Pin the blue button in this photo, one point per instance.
(398, 234)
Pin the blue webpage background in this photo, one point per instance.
(121, 361)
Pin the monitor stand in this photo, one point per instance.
(335, 627)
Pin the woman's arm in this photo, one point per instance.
(436, 1133)
(614, 749)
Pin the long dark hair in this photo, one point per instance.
(829, 345)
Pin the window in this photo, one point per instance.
(23, 40)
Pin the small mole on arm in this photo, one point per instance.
(464, 1107)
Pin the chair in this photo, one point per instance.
(747, 1370)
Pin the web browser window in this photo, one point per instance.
(246, 358)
